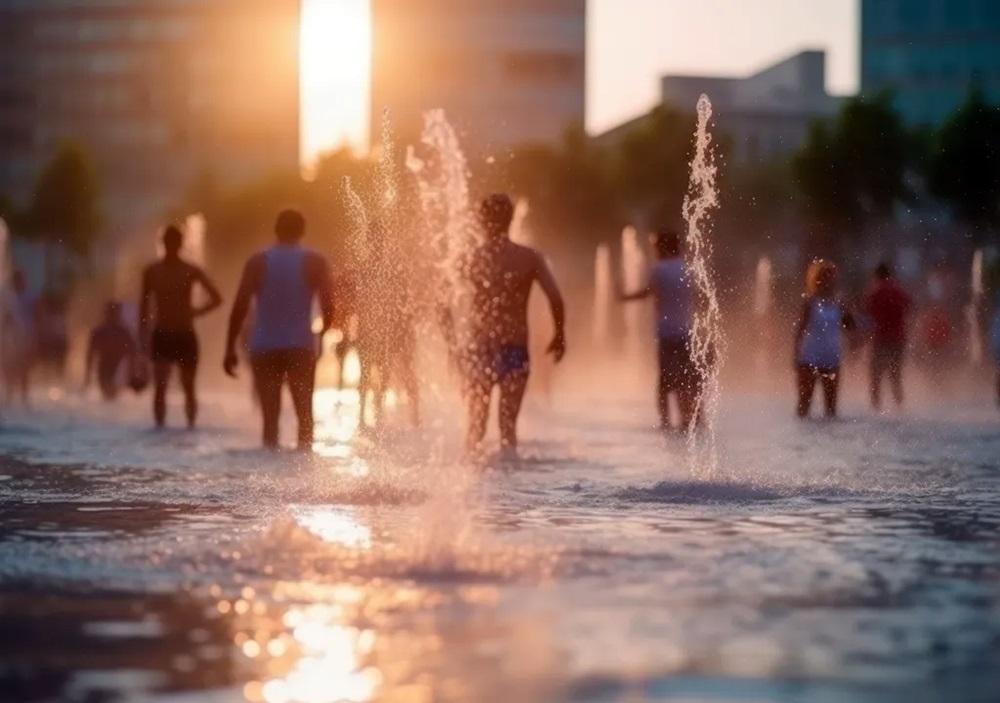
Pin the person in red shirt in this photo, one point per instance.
(887, 305)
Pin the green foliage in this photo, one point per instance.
(964, 165)
(570, 188)
(64, 206)
(852, 171)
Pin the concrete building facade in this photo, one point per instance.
(930, 54)
(506, 72)
(766, 114)
(158, 92)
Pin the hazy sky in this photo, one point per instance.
(633, 42)
(630, 44)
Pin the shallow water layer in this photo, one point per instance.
(855, 560)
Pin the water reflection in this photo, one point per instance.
(337, 525)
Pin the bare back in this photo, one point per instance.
(502, 275)
(170, 284)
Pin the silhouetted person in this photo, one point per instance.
(168, 287)
(283, 280)
(670, 287)
(502, 274)
(888, 305)
(818, 338)
(19, 338)
(111, 343)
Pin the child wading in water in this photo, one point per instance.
(818, 337)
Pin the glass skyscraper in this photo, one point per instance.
(930, 53)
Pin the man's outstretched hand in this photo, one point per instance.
(230, 363)
(557, 347)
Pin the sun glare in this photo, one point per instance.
(335, 64)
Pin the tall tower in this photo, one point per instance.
(506, 72)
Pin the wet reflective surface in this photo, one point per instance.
(858, 560)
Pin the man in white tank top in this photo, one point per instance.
(670, 287)
(283, 280)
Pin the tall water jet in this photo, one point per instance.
(707, 340)
(5, 293)
(977, 345)
(633, 265)
(442, 177)
(357, 216)
(601, 320)
(194, 238)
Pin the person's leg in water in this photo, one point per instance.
(512, 390)
(830, 379)
(478, 389)
(806, 376)
(189, 374)
(161, 377)
(269, 377)
(663, 387)
(301, 369)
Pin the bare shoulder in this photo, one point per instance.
(525, 256)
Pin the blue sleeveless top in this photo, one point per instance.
(822, 339)
(284, 302)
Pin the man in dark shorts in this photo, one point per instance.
(502, 274)
(111, 343)
(670, 287)
(283, 280)
(168, 287)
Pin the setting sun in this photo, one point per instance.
(335, 54)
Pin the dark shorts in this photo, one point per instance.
(496, 365)
(174, 347)
(678, 371)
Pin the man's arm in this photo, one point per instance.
(214, 297)
(249, 282)
(548, 283)
(145, 304)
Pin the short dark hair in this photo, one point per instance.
(883, 271)
(173, 238)
(290, 225)
(497, 212)
(668, 242)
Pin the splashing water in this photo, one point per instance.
(357, 236)
(442, 177)
(707, 339)
(977, 345)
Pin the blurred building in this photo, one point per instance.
(930, 53)
(159, 92)
(765, 115)
(505, 71)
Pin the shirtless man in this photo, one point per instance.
(168, 285)
(502, 274)
(283, 280)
